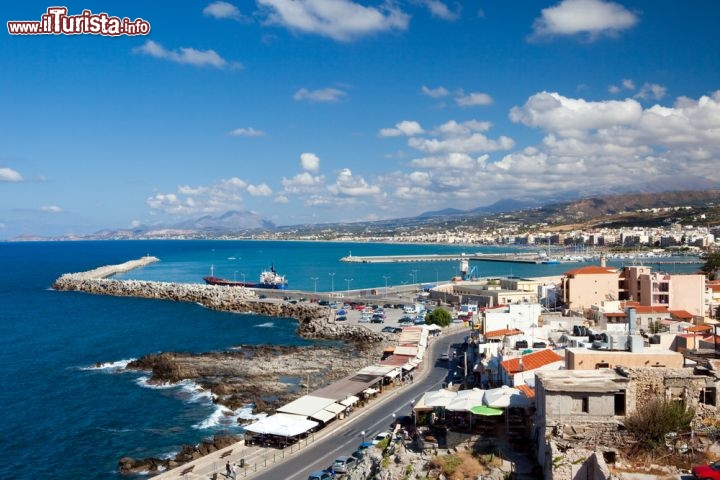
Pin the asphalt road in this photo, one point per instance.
(372, 419)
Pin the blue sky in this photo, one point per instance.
(312, 111)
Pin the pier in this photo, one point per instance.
(488, 257)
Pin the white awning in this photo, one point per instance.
(393, 374)
(281, 426)
(323, 416)
(351, 400)
(335, 408)
(306, 405)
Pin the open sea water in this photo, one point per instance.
(70, 411)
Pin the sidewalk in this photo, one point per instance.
(257, 459)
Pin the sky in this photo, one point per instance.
(317, 111)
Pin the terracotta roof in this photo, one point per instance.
(531, 361)
(699, 328)
(591, 270)
(681, 313)
(645, 309)
(502, 333)
(527, 390)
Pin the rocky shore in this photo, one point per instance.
(265, 376)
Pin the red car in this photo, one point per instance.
(707, 472)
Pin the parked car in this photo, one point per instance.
(406, 319)
(321, 475)
(710, 471)
(377, 319)
(358, 454)
(390, 329)
(343, 464)
(380, 437)
(341, 318)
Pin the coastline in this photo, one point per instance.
(243, 375)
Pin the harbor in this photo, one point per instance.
(491, 257)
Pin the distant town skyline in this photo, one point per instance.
(317, 111)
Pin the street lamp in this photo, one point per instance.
(315, 279)
(386, 277)
(363, 434)
(348, 280)
(332, 282)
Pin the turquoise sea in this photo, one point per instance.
(69, 410)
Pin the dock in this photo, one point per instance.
(486, 257)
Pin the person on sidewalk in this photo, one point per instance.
(228, 469)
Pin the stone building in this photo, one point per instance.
(579, 416)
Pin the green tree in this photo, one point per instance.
(650, 423)
(439, 316)
(712, 265)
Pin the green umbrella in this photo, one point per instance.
(486, 411)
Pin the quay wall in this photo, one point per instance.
(314, 321)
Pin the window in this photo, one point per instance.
(602, 365)
(580, 405)
(620, 403)
(708, 396)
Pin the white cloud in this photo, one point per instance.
(303, 183)
(473, 99)
(593, 18)
(341, 20)
(440, 10)
(349, 185)
(221, 10)
(247, 132)
(406, 127)
(321, 95)
(51, 209)
(628, 84)
(227, 194)
(438, 92)
(554, 112)
(281, 199)
(651, 91)
(10, 175)
(453, 128)
(475, 142)
(310, 162)
(185, 55)
(262, 190)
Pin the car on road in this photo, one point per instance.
(710, 471)
(343, 464)
(321, 475)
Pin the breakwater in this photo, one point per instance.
(314, 321)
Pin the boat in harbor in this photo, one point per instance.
(268, 279)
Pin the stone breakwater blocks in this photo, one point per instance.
(312, 318)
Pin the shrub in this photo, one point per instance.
(440, 317)
(652, 421)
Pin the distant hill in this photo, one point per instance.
(232, 220)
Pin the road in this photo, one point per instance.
(376, 418)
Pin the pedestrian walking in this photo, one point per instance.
(228, 469)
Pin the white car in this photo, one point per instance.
(380, 437)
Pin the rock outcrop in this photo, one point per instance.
(131, 466)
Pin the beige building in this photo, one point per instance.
(586, 359)
(585, 287)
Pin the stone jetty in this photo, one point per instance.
(314, 321)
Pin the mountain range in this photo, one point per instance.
(628, 209)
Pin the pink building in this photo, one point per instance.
(593, 285)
